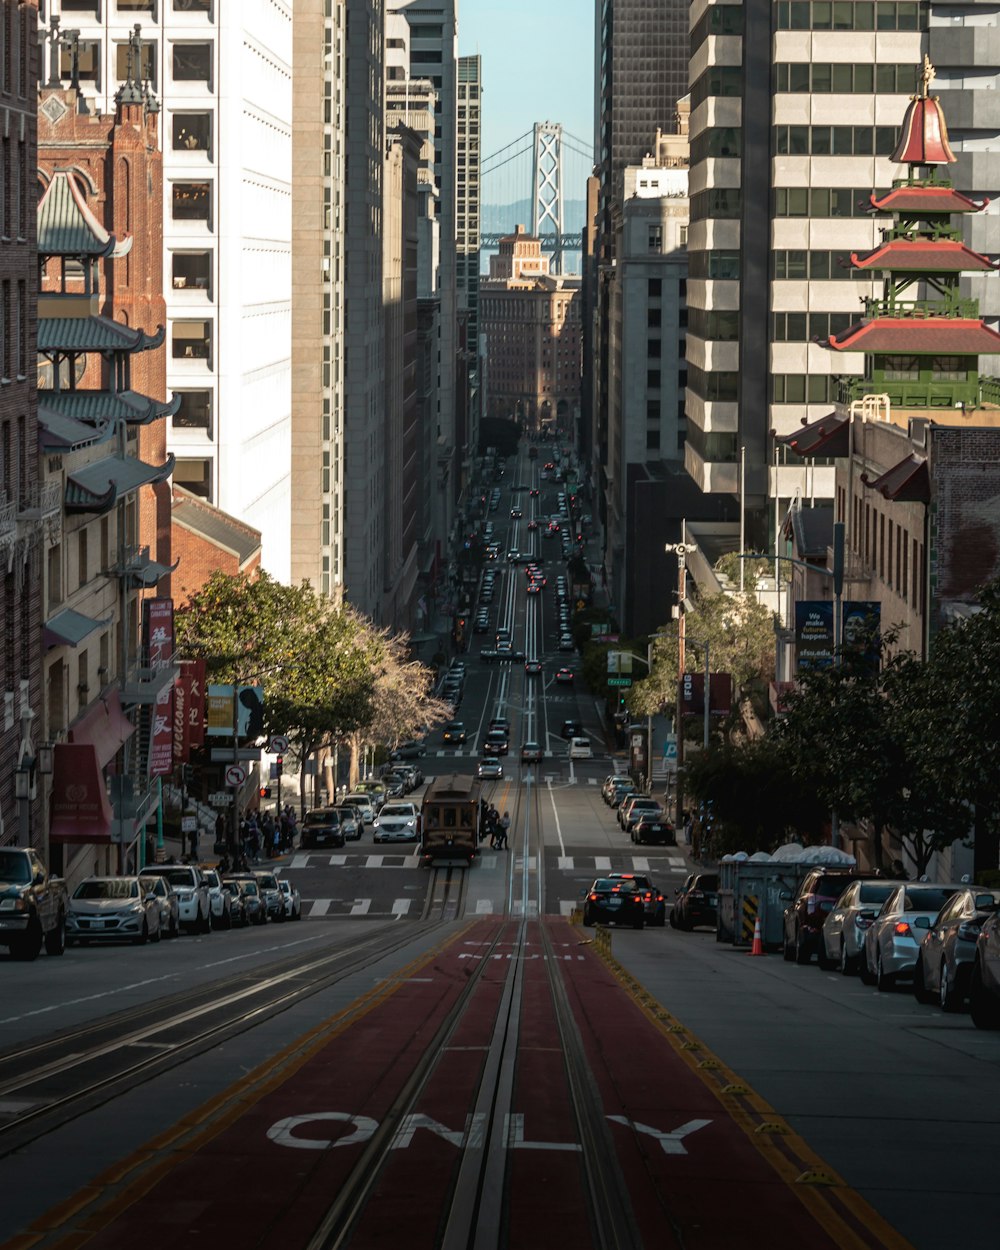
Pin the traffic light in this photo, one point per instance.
(187, 773)
(279, 765)
(265, 792)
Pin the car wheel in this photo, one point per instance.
(984, 1006)
(787, 949)
(846, 964)
(26, 945)
(639, 922)
(884, 981)
(803, 955)
(660, 921)
(156, 937)
(951, 997)
(175, 929)
(673, 919)
(227, 918)
(822, 958)
(867, 976)
(55, 939)
(588, 921)
(920, 990)
(142, 938)
(206, 924)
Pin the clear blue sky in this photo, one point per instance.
(538, 64)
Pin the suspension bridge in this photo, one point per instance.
(530, 180)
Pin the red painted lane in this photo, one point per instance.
(240, 1186)
(547, 1200)
(718, 1190)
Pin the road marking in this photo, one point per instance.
(555, 815)
(401, 906)
(675, 861)
(320, 907)
(298, 861)
(671, 1143)
(361, 907)
(640, 863)
(566, 862)
(566, 908)
(602, 863)
(591, 781)
(484, 907)
(374, 861)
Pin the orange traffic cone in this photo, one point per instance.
(758, 943)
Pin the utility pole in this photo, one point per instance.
(681, 551)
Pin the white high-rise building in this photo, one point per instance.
(223, 73)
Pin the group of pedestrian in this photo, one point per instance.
(266, 836)
(493, 825)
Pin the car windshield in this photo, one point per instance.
(830, 886)
(115, 887)
(606, 885)
(321, 818)
(268, 881)
(875, 891)
(249, 887)
(153, 885)
(347, 812)
(231, 887)
(212, 880)
(927, 898)
(397, 809)
(179, 876)
(15, 867)
(285, 887)
(531, 746)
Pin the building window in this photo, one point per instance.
(654, 349)
(82, 562)
(192, 132)
(653, 410)
(192, 62)
(654, 288)
(82, 684)
(850, 15)
(192, 340)
(653, 317)
(54, 576)
(22, 329)
(653, 379)
(193, 6)
(192, 271)
(654, 238)
(195, 476)
(195, 412)
(653, 440)
(7, 338)
(192, 201)
(147, 62)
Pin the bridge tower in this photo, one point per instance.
(546, 187)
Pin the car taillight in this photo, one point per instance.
(593, 898)
(901, 927)
(659, 898)
(648, 896)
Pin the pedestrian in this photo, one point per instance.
(194, 844)
(504, 830)
(688, 827)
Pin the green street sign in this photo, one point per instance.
(619, 681)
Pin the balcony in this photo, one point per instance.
(915, 393)
(921, 308)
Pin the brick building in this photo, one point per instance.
(21, 528)
(208, 540)
(531, 322)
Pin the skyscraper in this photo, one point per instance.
(470, 94)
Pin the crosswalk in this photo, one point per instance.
(565, 863)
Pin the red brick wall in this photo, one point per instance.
(199, 558)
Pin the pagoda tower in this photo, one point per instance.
(922, 341)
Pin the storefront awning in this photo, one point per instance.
(105, 727)
(69, 628)
(79, 805)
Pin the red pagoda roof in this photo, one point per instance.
(825, 436)
(907, 481)
(932, 336)
(924, 256)
(923, 139)
(915, 201)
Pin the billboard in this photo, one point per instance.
(249, 711)
(720, 691)
(813, 634)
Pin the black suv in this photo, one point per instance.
(571, 729)
(818, 890)
(321, 828)
(614, 901)
(697, 902)
(496, 742)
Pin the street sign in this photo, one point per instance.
(236, 774)
(670, 748)
(278, 745)
(189, 824)
(619, 681)
(224, 755)
(221, 798)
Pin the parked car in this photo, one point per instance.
(112, 909)
(375, 791)
(637, 807)
(984, 983)
(414, 773)
(362, 804)
(614, 902)
(321, 827)
(892, 942)
(397, 822)
(34, 905)
(193, 903)
(490, 769)
(253, 898)
(579, 749)
(654, 904)
(411, 750)
(218, 900)
(646, 832)
(351, 825)
(454, 733)
(805, 915)
(292, 899)
(847, 923)
(944, 962)
(532, 753)
(615, 781)
(697, 902)
(237, 902)
(170, 921)
(270, 892)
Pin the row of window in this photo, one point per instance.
(719, 141)
(718, 19)
(819, 265)
(850, 15)
(717, 80)
(800, 327)
(847, 79)
(190, 62)
(834, 140)
(714, 264)
(803, 388)
(822, 202)
(887, 548)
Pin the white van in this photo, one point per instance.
(579, 749)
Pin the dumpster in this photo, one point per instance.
(761, 886)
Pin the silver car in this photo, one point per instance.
(292, 898)
(363, 805)
(170, 920)
(948, 951)
(893, 941)
(850, 919)
(219, 901)
(397, 822)
(112, 908)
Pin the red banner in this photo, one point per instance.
(189, 710)
(160, 653)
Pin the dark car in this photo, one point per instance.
(654, 833)
(948, 951)
(321, 827)
(815, 898)
(500, 722)
(984, 984)
(411, 750)
(614, 901)
(697, 902)
(531, 753)
(571, 729)
(654, 904)
(496, 742)
(454, 733)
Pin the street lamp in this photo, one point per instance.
(681, 550)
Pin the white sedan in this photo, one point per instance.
(397, 822)
(114, 908)
(579, 749)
